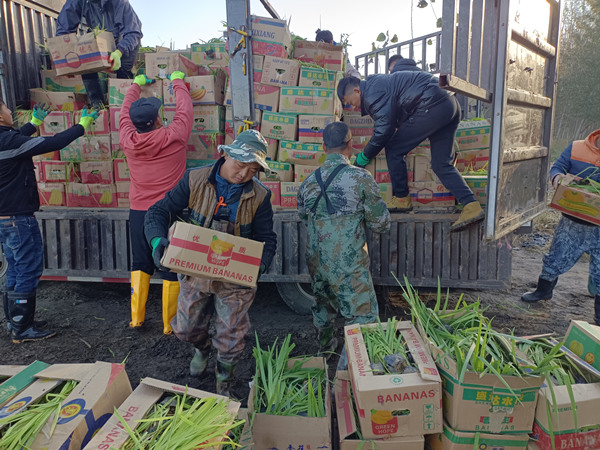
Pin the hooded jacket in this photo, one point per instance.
(580, 158)
(116, 16)
(406, 64)
(392, 99)
(156, 159)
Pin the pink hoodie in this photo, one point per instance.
(156, 159)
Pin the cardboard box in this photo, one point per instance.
(360, 142)
(328, 56)
(99, 127)
(204, 146)
(266, 98)
(138, 404)
(121, 170)
(95, 148)
(207, 119)
(382, 175)
(271, 37)
(478, 184)
(114, 112)
(308, 154)
(473, 134)
(359, 125)
(204, 89)
(73, 152)
(279, 126)
(583, 339)
(91, 195)
(430, 194)
(60, 172)
(65, 83)
(122, 190)
(161, 64)
(470, 160)
(272, 148)
(74, 54)
(347, 426)
(451, 439)
(115, 146)
(206, 253)
(257, 67)
(311, 77)
(310, 127)
(19, 381)
(58, 101)
(97, 172)
(289, 194)
(50, 156)
(83, 412)
(280, 71)
(229, 125)
(37, 168)
(52, 194)
(117, 88)
(418, 393)
(301, 100)
(278, 171)
(285, 432)
(302, 172)
(56, 122)
(576, 202)
(213, 55)
(275, 188)
(386, 192)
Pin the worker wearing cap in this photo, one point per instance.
(116, 16)
(225, 197)
(339, 202)
(156, 159)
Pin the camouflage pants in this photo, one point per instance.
(199, 299)
(570, 241)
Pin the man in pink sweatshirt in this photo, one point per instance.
(156, 159)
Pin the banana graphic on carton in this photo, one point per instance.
(575, 201)
(381, 417)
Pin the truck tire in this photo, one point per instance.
(298, 296)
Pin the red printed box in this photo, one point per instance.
(430, 194)
(95, 148)
(56, 122)
(271, 37)
(91, 195)
(99, 127)
(204, 146)
(275, 188)
(122, 193)
(114, 112)
(52, 194)
(121, 170)
(97, 172)
(289, 194)
(59, 172)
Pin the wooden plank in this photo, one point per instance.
(402, 250)
(463, 40)
(78, 241)
(303, 238)
(386, 259)
(410, 250)
(476, 44)
(455, 84)
(92, 244)
(474, 243)
(524, 98)
(290, 248)
(65, 246)
(107, 245)
(493, 260)
(52, 244)
(483, 265)
(447, 251)
(375, 254)
(438, 243)
(428, 259)
(121, 241)
(454, 255)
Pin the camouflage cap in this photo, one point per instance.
(250, 146)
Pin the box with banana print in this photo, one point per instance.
(573, 198)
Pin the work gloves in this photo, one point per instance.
(87, 117)
(556, 180)
(361, 160)
(177, 75)
(40, 111)
(142, 80)
(115, 59)
(159, 244)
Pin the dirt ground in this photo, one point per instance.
(92, 322)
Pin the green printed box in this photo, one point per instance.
(278, 171)
(279, 126)
(312, 77)
(452, 439)
(583, 339)
(478, 184)
(306, 153)
(309, 100)
(20, 381)
(473, 135)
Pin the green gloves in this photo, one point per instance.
(142, 80)
(115, 59)
(361, 160)
(159, 244)
(177, 75)
(87, 117)
(40, 112)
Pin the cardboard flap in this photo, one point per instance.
(343, 404)
(75, 372)
(420, 355)
(19, 381)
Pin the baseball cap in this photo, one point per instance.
(336, 135)
(143, 113)
(250, 146)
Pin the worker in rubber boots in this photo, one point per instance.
(339, 202)
(572, 237)
(156, 158)
(116, 16)
(224, 197)
(407, 108)
(19, 230)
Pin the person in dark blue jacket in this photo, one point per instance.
(19, 231)
(397, 63)
(573, 236)
(116, 16)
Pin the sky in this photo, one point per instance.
(200, 20)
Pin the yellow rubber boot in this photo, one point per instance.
(471, 213)
(169, 308)
(400, 204)
(140, 285)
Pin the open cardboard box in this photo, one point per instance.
(20, 378)
(583, 339)
(347, 425)
(284, 432)
(113, 435)
(452, 439)
(576, 202)
(412, 402)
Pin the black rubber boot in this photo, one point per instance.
(542, 292)
(224, 373)
(21, 308)
(597, 310)
(37, 323)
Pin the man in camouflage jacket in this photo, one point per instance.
(338, 201)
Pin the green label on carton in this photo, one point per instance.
(20, 381)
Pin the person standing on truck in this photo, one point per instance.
(397, 63)
(224, 197)
(116, 16)
(339, 202)
(407, 108)
(19, 230)
(327, 36)
(572, 237)
(156, 158)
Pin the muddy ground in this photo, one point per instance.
(92, 322)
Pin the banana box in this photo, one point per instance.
(122, 188)
(75, 54)
(359, 125)
(206, 253)
(64, 83)
(60, 172)
(56, 122)
(451, 439)
(99, 127)
(213, 55)
(328, 56)
(94, 172)
(395, 405)
(19, 379)
(204, 89)
(81, 195)
(576, 202)
(311, 126)
(309, 100)
(94, 148)
(118, 87)
(58, 101)
(280, 71)
(279, 126)
(52, 194)
(583, 339)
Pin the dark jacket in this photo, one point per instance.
(406, 64)
(392, 99)
(116, 16)
(18, 188)
(197, 190)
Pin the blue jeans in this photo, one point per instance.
(22, 244)
(570, 241)
(439, 124)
